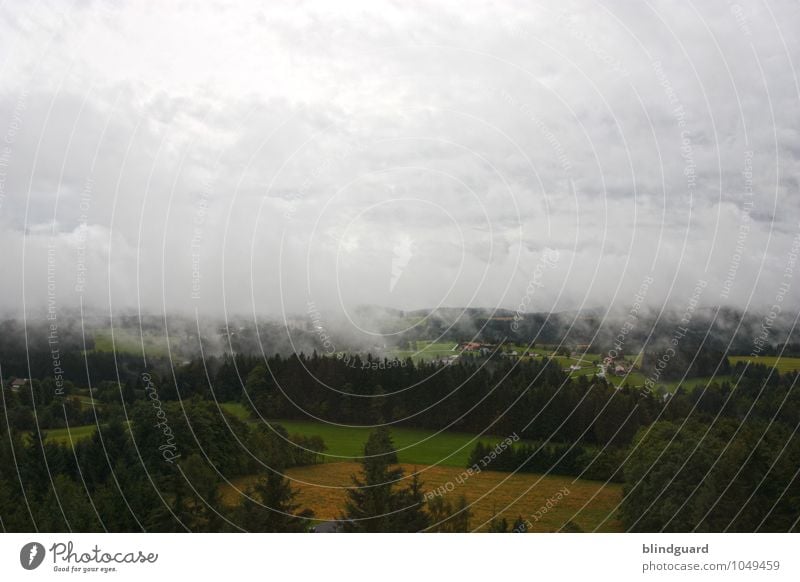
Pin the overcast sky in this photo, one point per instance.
(253, 158)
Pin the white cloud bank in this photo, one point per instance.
(247, 158)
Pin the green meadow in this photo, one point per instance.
(413, 445)
(65, 435)
(425, 350)
(424, 447)
(782, 365)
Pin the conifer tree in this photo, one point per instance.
(373, 503)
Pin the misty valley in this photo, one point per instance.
(467, 420)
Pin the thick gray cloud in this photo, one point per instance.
(255, 158)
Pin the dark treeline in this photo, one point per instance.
(154, 467)
(729, 476)
(690, 354)
(725, 457)
(535, 399)
(575, 459)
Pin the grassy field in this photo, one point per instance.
(782, 365)
(587, 364)
(345, 443)
(62, 435)
(236, 409)
(634, 379)
(322, 489)
(84, 431)
(425, 350)
(89, 402)
(413, 445)
(692, 383)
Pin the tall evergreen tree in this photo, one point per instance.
(198, 501)
(272, 507)
(448, 517)
(373, 503)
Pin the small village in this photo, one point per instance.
(584, 361)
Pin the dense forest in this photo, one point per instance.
(720, 458)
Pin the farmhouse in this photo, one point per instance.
(18, 383)
(469, 346)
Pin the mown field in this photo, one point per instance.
(236, 409)
(322, 488)
(73, 433)
(632, 379)
(783, 365)
(439, 461)
(587, 363)
(425, 350)
(63, 435)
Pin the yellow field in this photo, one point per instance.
(782, 365)
(321, 488)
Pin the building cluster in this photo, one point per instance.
(616, 366)
(17, 384)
